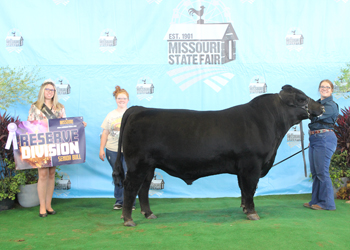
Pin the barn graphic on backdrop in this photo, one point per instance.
(294, 39)
(145, 88)
(14, 41)
(63, 184)
(63, 89)
(201, 44)
(294, 137)
(157, 185)
(107, 41)
(257, 87)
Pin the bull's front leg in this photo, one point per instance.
(242, 196)
(248, 184)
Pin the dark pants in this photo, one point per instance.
(118, 191)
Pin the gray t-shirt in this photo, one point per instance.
(112, 124)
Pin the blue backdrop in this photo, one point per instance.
(175, 54)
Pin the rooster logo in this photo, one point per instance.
(198, 13)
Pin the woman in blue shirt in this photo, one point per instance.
(323, 143)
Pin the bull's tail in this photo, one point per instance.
(118, 171)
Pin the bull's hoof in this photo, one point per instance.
(152, 216)
(142, 212)
(122, 217)
(253, 217)
(129, 223)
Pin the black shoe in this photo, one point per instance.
(51, 212)
(43, 215)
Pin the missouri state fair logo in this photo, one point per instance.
(107, 41)
(144, 88)
(63, 88)
(14, 41)
(201, 38)
(294, 39)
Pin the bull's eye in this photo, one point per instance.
(301, 99)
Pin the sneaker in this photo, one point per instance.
(133, 208)
(117, 206)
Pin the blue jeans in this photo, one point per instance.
(322, 147)
(118, 191)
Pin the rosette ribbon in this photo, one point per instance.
(12, 127)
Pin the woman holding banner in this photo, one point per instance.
(46, 107)
(110, 137)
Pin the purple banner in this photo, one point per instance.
(61, 142)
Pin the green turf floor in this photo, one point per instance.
(182, 224)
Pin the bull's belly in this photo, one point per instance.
(191, 172)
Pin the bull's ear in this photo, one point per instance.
(287, 95)
(287, 87)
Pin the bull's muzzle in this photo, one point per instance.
(323, 111)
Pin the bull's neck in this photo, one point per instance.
(283, 120)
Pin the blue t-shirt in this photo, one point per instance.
(329, 116)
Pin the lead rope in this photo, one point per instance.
(302, 146)
(302, 150)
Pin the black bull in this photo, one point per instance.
(242, 140)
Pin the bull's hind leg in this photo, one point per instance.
(143, 196)
(132, 184)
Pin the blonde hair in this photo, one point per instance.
(41, 97)
(118, 91)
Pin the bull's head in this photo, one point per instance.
(295, 98)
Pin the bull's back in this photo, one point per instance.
(182, 129)
(191, 138)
